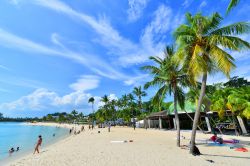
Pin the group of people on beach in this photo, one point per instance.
(73, 129)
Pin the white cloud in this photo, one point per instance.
(127, 51)
(22, 82)
(202, 5)
(136, 81)
(187, 3)
(34, 101)
(42, 99)
(152, 39)
(14, 2)
(99, 103)
(94, 63)
(85, 82)
(151, 42)
(45, 100)
(136, 8)
(4, 67)
(4, 90)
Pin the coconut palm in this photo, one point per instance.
(92, 100)
(170, 77)
(105, 100)
(74, 114)
(139, 93)
(202, 44)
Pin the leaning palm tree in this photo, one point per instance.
(202, 44)
(139, 93)
(169, 75)
(92, 100)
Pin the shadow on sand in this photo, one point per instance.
(248, 158)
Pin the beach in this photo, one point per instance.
(143, 147)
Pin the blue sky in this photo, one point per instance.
(56, 54)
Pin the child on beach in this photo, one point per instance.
(39, 143)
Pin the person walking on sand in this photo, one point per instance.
(39, 143)
(82, 129)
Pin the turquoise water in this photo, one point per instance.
(25, 137)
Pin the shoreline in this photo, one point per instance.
(23, 154)
(148, 147)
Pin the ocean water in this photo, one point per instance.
(25, 137)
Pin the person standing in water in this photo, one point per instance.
(39, 143)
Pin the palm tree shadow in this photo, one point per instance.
(227, 156)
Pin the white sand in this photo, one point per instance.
(149, 148)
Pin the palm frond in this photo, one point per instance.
(233, 29)
(229, 42)
(231, 5)
(223, 60)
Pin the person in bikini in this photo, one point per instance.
(39, 143)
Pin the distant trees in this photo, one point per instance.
(237, 82)
(139, 94)
(1, 116)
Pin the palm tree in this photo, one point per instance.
(80, 116)
(92, 100)
(201, 48)
(139, 93)
(131, 105)
(105, 100)
(170, 77)
(74, 114)
(232, 4)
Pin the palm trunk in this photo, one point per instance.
(93, 113)
(140, 104)
(177, 121)
(197, 112)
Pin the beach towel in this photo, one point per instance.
(241, 149)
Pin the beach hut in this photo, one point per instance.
(186, 116)
(159, 120)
